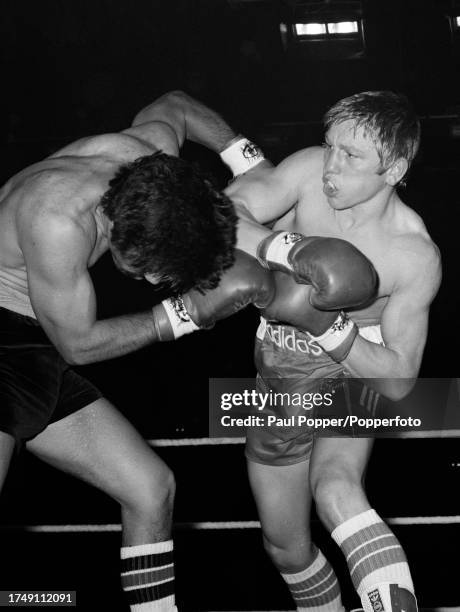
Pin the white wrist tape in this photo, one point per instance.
(178, 316)
(278, 249)
(241, 156)
(337, 334)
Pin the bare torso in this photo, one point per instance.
(390, 242)
(69, 183)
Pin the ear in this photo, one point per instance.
(109, 226)
(396, 171)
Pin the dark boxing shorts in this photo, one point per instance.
(37, 386)
(290, 362)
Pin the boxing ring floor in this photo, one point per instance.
(60, 534)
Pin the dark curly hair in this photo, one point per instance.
(170, 221)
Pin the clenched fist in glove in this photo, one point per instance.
(246, 282)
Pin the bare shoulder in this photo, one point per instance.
(300, 169)
(121, 146)
(53, 241)
(52, 209)
(416, 256)
(47, 219)
(304, 162)
(303, 171)
(71, 180)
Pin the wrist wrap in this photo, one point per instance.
(338, 339)
(241, 156)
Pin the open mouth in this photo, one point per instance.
(329, 188)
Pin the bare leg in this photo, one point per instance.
(336, 476)
(283, 498)
(377, 563)
(98, 445)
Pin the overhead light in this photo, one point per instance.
(338, 28)
(310, 29)
(343, 27)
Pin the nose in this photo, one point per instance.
(331, 161)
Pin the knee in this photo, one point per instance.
(334, 490)
(289, 557)
(151, 492)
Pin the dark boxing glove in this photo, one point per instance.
(333, 331)
(340, 275)
(246, 282)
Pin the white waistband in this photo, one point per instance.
(373, 333)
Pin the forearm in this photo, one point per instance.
(390, 373)
(107, 339)
(203, 125)
(190, 119)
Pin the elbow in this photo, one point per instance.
(397, 389)
(175, 97)
(75, 360)
(73, 355)
(176, 93)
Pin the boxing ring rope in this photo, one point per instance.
(241, 525)
(224, 525)
(219, 525)
(435, 433)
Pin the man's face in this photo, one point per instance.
(352, 171)
(123, 266)
(127, 270)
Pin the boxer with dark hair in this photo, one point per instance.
(345, 191)
(168, 221)
(129, 194)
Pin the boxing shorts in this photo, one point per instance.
(290, 364)
(37, 387)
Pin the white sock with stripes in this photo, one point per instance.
(315, 589)
(377, 563)
(147, 577)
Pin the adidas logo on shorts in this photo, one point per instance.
(289, 339)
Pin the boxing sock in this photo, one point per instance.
(377, 563)
(147, 577)
(315, 589)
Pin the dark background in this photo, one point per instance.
(74, 68)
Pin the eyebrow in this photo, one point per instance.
(348, 148)
(352, 149)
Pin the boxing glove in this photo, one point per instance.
(291, 305)
(246, 282)
(340, 275)
(333, 331)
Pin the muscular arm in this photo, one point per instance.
(266, 193)
(261, 195)
(56, 251)
(404, 329)
(187, 118)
